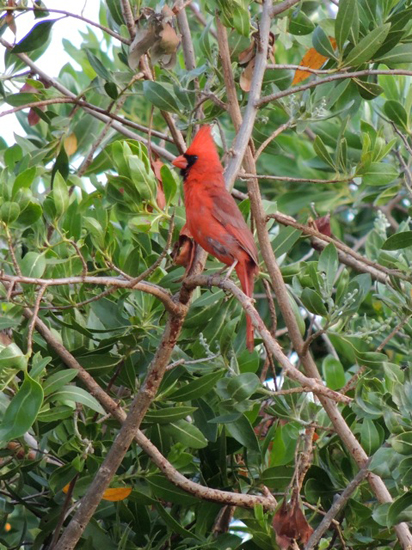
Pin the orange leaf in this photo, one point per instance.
(313, 60)
(114, 495)
(70, 144)
(117, 493)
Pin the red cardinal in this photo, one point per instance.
(212, 215)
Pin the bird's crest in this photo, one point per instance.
(203, 146)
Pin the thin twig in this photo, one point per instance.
(356, 74)
(33, 319)
(116, 282)
(11, 250)
(273, 136)
(283, 6)
(87, 105)
(290, 179)
(393, 333)
(276, 66)
(128, 17)
(96, 112)
(69, 14)
(287, 220)
(192, 361)
(336, 507)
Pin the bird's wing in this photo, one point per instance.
(227, 213)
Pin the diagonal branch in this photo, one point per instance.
(170, 305)
(356, 74)
(290, 370)
(93, 110)
(336, 507)
(68, 14)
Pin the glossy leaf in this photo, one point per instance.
(364, 50)
(344, 21)
(38, 36)
(22, 410)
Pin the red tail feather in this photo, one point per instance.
(246, 273)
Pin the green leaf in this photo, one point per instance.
(38, 36)
(168, 415)
(115, 11)
(24, 179)
(96, 230)
(241, 430)
(370, 437)
(22, 98)
(197, 388)
(277, 478)
(365, 49)
(143, 178)
(313, 302)
(8, 322)
(111, 90)
(402, 53)
(186, 433)
(12, 357)
(322, 44)
(22, 410)
(241, 20)
(97, 65)
(370, 359)
(203, 416)
(333, 372)
(398, 241)
(242, 386)
(344, 21)
(57, 380)
(329, 263)
(400, 510)
(170, 183)
(300, 24)
(396, 112)
(322, 152)
(160, 97)
(73, 394)
(402, 443)
(9, 212)
(60, 194)
(379, 173)
(33, 265)
(285, 240)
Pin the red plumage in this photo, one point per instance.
(213, 217)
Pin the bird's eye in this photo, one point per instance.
(191, 159)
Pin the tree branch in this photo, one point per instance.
(149, 288)
(246, 128)
(290, 370)
(128, 18)
(283, 6)
(367, 72)
(360, 263)
(96, 112)
(336, 507)
(68, 14)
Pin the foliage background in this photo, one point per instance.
(338, 144)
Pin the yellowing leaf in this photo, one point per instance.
(70, 144)
(114, 495)
(313, 60)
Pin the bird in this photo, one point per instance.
(213, 217)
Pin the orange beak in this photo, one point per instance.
(180, 162)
